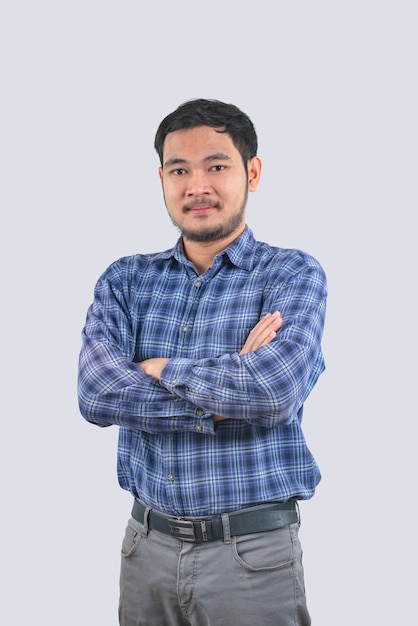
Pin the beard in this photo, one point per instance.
(213, 233)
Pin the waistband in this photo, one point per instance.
(198, 530)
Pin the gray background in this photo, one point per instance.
(332, 89)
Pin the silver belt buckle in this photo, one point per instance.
(182, 529)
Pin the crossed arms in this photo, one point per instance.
(265, 383)
(261, 335)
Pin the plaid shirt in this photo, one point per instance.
(170, 453)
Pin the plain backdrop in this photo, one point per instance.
(332, 90)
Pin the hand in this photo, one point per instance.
(263, 332)
(153, 367)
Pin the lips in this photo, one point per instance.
(200, 208)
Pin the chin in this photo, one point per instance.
(206, 236)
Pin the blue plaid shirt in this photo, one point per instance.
(170, 454)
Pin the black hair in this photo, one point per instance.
(225, 118)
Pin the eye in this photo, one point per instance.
(179, 171)
(217, 168)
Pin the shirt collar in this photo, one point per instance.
(241, 252)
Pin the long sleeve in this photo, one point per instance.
(112, 389)
(269, 385)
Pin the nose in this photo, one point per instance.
(198, 183)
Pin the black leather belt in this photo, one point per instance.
(253, 520)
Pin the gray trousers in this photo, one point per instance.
(241, 581)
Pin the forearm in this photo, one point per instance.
(266, 383)
(233, 387)
(262, 334)
(114, 390)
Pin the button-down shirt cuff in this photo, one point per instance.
(172, 376)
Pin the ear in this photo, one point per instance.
(160, 173)
(254, 173)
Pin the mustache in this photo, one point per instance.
(199, 202)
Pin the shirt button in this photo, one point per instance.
(199, 428)
(185, 328)
(198, 284)
(171, 477)
(200, 412)
(174, 381)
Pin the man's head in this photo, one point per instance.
(225, 118)
(208, 166)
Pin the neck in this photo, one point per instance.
(201, 254)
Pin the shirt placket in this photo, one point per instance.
(175, 474)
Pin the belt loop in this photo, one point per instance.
(144, 525)
(226, 528)
(298, 511)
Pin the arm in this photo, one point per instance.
(111, 387)
(269, 384)
(260, 335)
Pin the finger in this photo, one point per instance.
(270, 323)
(263, 332)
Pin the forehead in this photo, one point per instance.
(197, 143)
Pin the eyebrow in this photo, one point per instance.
(216, 156)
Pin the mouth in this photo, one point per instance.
(200, 208)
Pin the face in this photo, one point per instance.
(205, 184)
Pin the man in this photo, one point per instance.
(203, 355)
